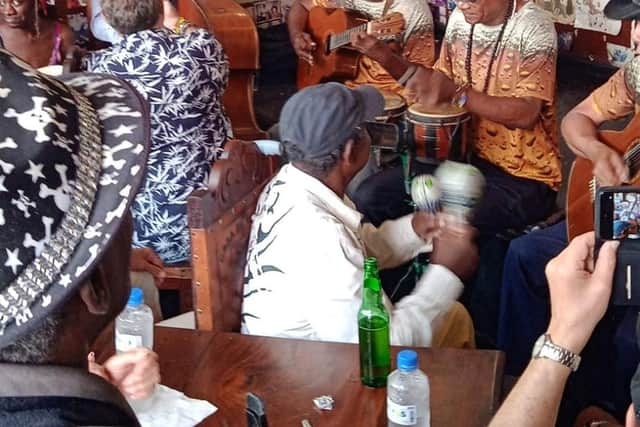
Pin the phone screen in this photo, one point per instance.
(620, 215)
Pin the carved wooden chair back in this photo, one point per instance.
(220, 223)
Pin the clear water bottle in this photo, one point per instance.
(408, 393)
(134, 326)
(134, 329)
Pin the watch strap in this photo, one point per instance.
(550, 350)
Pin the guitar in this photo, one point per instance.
(331, 29)
(583, 186)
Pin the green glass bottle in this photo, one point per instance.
(373, 330)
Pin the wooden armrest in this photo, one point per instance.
(179, 272)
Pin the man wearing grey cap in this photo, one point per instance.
(307, 245)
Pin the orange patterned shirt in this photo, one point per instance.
(525, 66)
(619, 96)
(417, 44)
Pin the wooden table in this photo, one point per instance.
(288, 374)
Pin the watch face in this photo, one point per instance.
(538, 346)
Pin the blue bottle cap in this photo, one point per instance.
(407, 360)
(136, 297)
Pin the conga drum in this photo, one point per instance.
(394, 111)
(394, 108)
(439, 133)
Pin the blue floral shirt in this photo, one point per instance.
(183, 77)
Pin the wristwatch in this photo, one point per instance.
(545, 348)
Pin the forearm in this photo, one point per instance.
(508, 111)
(394, 242)
(297, 19)
(395, 64)
(580, 133)
(413, 317)
(535, 399)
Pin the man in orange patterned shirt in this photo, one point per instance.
(417, 43)
(498, 61)
(524, 303)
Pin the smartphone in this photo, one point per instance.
(385, 136)
(618, 213)
(618, 218)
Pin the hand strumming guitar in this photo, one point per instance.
(608, 166)
(304, 46)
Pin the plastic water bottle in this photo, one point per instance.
(134, 329)
(408, 393)
(134, 326)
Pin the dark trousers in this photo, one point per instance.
(610, 357)
(509, 202)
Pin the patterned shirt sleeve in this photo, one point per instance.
(205, 48)
(615, 98)
(537, 65)
(420, 48)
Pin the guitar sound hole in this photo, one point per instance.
(327, 45)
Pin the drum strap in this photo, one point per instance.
(385, 8)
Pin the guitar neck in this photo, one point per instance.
(342, 39)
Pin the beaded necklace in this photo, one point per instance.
(467, 62)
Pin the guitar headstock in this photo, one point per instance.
(387, 27)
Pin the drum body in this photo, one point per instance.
(438, 134)
(395, 108)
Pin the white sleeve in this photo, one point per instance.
(414, 315)
(394, 242)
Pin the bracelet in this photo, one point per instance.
(407, 74)
(460, 97)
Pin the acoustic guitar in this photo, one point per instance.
(331, 29)
(583, 186)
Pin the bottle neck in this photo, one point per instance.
(371, 268)
(371, 294)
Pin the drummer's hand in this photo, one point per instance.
(419, 84)
(431, 89)
(304, 46)
(370, 46)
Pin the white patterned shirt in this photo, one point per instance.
(304, 270)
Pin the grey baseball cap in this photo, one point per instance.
(318, 119)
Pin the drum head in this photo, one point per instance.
(440, 111)
(394, 105)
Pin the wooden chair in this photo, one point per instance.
(179, 278)
(220, 223)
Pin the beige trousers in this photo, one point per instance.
(455, 329)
